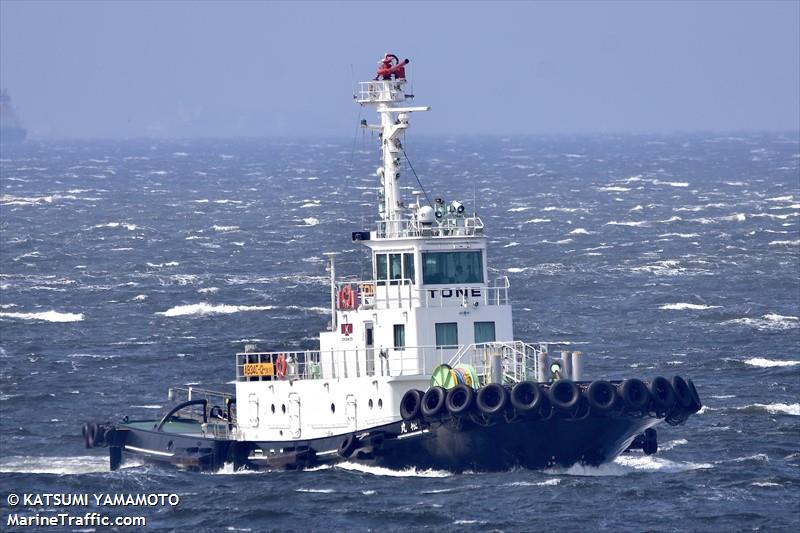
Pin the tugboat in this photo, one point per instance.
(11, 130)
(420, 367)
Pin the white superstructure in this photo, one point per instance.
(430, 300)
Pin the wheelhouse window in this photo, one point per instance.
(452, 268)
(394, 268)
(446, 335)
(484, 332)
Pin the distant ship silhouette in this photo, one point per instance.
(11, 130)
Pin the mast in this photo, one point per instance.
(387, 94)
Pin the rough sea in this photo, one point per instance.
(130, 267)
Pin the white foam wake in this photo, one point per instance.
(381, 471)
(202, 309)
(777, 408)
(629, 464)
(46, 316)
(685, 306)
(769, 363)
(58, 465)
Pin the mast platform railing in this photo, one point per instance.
(514, 361)
(383, 91)
(467, 226)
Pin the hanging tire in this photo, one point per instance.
(663, 394)
(635, 395)
(460, 399)
(492, 399)
(348, 446)
(89, 432)
(682, 393)
(410, 404)
(650, 442)
(602, 396)
(433, 402)
(696, 403)
(564, 394)
(526, 397)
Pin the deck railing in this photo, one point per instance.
(402, 293)
(218, 414)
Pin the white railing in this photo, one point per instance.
(383, 91)
(462, 226)
(507, 362)
(336, 364)
(403, 294)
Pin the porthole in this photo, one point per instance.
(283, 408)
(380, 403)
(333, 408)
(370, 403)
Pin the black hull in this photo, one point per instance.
(470, 443)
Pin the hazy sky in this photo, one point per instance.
(189, 68)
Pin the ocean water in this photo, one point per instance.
(130, 267)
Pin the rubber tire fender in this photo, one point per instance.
(663, 394)
(460, 400)
(564, 394)
(89, 432)
(410, 404)
(348, 446)
(602, 396)
(527, 397)
(492, 399)
(635, 395)
(650, 442)
(697, 404)
(433, 402)
(682, 392)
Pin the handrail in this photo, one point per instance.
(461, 226)
(203, 401)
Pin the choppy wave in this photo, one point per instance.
(46, 316)
(773, 408)
(202, 309)
(769, 363)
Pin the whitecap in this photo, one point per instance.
(671, 183)
(547, 483)
(140, 298)
(785, 243)
(769, 363)
(518, 209)
(311, 221)
(224, 229)
(579, 231)
(516, 270)
(316, 491)
(685, 306)
(639, 224)
(536, 221)
(46, 316)
(511, 244)
(613, 189)
(769, 322)
(203, 309)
